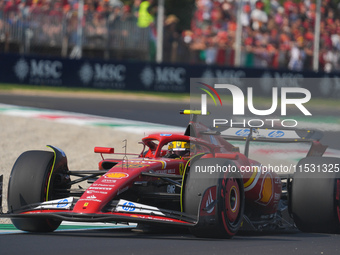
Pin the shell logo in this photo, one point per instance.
(116, 175)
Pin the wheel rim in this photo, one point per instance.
(233, 196)
(232, 200)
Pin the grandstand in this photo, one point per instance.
(275, 34)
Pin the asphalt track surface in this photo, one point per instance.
(162, 112)
(124, 241)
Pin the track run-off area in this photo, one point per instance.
(142, 128)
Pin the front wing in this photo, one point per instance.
(125, 211)
(104, 217)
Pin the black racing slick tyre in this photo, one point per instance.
(315, 195)
(216, 199)
(34, 180)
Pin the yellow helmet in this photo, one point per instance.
(179, 148)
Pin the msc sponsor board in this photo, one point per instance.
(142, 76)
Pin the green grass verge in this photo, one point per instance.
(260, 102)
(38, 88)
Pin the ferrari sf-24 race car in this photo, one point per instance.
(192, 180)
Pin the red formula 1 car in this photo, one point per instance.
(196, 180)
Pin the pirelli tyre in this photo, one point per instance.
(216, 198)
(37, 177)
(315, 195)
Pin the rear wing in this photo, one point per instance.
(264, 134)
(274, 135)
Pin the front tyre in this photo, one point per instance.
(33, 180)
(217, 199)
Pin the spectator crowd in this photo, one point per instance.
(275, 34)
(107, 25)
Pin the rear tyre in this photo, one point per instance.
(315, 195)
(28, 184)
(224, 219)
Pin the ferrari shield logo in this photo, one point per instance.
(116, 175)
